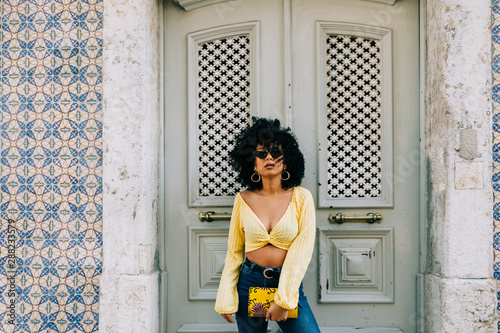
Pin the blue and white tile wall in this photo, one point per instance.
(50, 165)
(496, 141)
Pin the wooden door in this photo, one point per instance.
(344, 75)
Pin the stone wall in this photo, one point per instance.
(51, 165)
(130, 279)
(460, 289)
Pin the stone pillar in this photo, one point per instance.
(129, 286)
(459, 285)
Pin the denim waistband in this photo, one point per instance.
(273, 272)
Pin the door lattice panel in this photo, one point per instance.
(223, 110)
(354, 117)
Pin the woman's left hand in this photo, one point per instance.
(276, 313)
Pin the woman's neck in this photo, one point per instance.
(271, 186)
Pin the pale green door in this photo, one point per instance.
(344, 74)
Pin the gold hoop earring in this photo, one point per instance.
(255, 173)
(288, 173)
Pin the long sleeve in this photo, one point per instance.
(227, 295)
(299, 254)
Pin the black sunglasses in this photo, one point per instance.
(262, 154)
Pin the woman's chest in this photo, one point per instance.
(286, 224)
(269, 212)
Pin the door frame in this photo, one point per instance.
(420, 315)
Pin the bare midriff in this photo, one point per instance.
(268, 256)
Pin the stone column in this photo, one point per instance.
(460, 289)
(130, 279)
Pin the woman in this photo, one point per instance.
(273, 223)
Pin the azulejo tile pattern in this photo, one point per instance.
(496, 141)
(50, 165)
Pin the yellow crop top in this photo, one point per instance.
(294, 232)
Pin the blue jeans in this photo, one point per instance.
(304, 323)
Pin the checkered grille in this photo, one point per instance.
(223, 110)
(354, 117)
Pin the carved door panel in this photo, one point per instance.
(365, 96)
(344, 75)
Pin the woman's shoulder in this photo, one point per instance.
(302, 192)
(244, 194)
(301, 195)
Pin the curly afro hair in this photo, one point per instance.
(268, 133)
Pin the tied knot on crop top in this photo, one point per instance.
(295, 232)
(256, 235)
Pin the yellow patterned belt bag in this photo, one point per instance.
(259, 301)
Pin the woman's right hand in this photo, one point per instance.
(228, 316)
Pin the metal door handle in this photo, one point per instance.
(212, 216)
(337, 218)
(341, 218)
